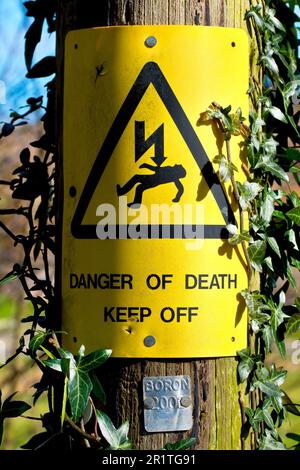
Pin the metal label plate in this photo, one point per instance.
(167, 403)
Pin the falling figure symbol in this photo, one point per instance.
(161, 175)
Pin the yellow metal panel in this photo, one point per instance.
(169, 295)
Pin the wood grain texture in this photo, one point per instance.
(217, 415)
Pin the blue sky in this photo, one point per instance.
(13, 26)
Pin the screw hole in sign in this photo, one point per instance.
(75, 46)
(233, 44)
(72, 191)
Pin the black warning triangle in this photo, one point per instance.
(152, 74)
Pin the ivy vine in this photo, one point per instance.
(271, 245)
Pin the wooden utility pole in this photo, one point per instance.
(217, 413)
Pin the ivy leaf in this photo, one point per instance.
(257, 251)
(7, 129)
(277, 376)
(183, 444)
(268, 164)
(271, 18)
(277, 114)
(290, 406)
(54, 364)
(236, 236)
(122, 432)
(8, 278)
(268, 388)
(289, 91)
(97, 388)
(95, 359)
(293, 324)
(262, 414)
(290, 276)
(292, 154)
(274, 245)
(37, 341)
(269, 263)
(255, 14)
(294, 215)
(64, 403)
(37, 441)
(79, 388)
(13, 409)
(270, 63)
(32, 38)
(269, 442)
(226, 169)
(267, 208)
(246, 364)
(248, 192)
(44, 68)
(108, 430)
(267, 337)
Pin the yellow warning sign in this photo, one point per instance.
(147, 267)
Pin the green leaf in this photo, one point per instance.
(267, 208)
(65, 354)
(269, 442)
(274, 245)
(269, 263)
(277, 114)
(256, 16)
(293, 324)
(79, 388)
(97, 388)
(257, 251)
(295, 199)
(116, 438)
(276, 22)
(54, 364)
(279, 215)
(264, 415)
(246, 364)
(37, 340)
(277, 376)
(13, 409)
(95, 359)
(277, 404)
(183, 444)
(46, 351)
(44, 68)
(292, 154)
(239, 238)
(269, 388)
(268, 164)
(122, 432)
(64, 403)
(8, 278)
(108, 430)
(294, 215)
(270, 63)
(290, 406)
(267, 337)
(290, 276)
(248, 192)
(289, 91)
